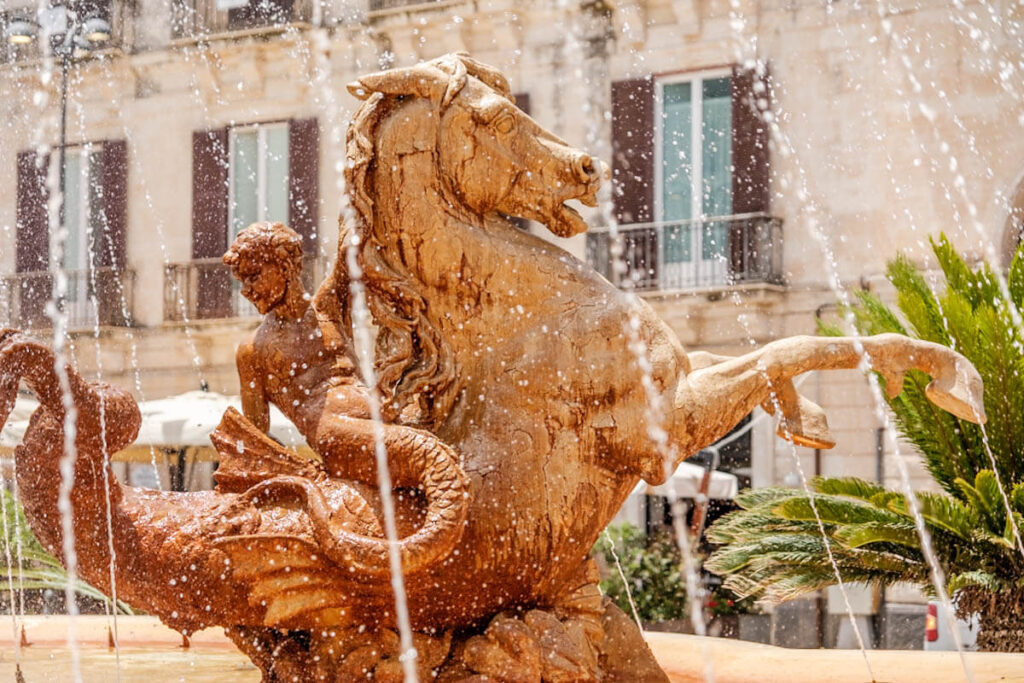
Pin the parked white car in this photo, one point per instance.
(939, 636)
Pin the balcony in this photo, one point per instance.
(192, 19)
(383, 6)
(705, 253)
(204, 289)
(101, 297)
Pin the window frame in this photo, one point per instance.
(696, 268)
(697, 103)
(261, 128)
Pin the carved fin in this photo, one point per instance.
(248, 456)
(289, 577)
(252, 556)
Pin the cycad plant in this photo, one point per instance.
(773, 548)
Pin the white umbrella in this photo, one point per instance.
(687, 479)
(188, 419)
(17, 422)
(177, 422)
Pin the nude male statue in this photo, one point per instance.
(300, 360)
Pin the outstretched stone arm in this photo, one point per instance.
(711, 401)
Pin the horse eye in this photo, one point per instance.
(505, 124)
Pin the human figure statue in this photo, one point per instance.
(300, 360)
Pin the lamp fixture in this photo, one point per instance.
(20, 32)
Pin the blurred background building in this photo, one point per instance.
(768, 157)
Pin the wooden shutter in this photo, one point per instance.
(304, 181)
(751, 175)
(751, 178)
(210, 221)
(109, 245)
(633, 150)
(633, 175)
(32, 251)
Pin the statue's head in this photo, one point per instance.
(491, 155)
(267, 259)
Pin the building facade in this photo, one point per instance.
(768, 157)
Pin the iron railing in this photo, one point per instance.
(385, 5)
(204, 289)
(203, 18)
(97, 297)
(717, 251)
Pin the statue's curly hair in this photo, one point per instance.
(265, 242)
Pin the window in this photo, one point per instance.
(95, 203)
(691, 180)
(83, 220)
(258, 185)
(259, 175)
(693, 176)
(266, 171)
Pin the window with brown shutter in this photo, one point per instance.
(304, 182)
(690, 167)
(266, 171)
(632, 184)
(633, 150)
(110, 284)
(212, 284)
(95, 216)
(32, 250)
(258, 13)
(751, 250)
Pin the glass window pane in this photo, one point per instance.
(73, 209)
(276, 208)
(678, 243)
(96, 213)
(244, 180)
(676, 154)
(713, 240)
(716, 148)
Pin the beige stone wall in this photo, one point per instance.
(888, 130)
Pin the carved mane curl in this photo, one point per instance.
(416, 365)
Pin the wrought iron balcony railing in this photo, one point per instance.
(717, 251)
(387, 5)
(203, 18)
(204, 289)
(97, 297)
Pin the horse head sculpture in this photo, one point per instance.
(492, 156)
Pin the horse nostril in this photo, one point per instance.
(584, 167)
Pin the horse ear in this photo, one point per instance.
(438, 80)
(423, 80)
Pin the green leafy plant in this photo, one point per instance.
(652, 566)
(773, 549)
(26, 566)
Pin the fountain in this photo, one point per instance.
(506, 426)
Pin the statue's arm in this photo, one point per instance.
(255, 406)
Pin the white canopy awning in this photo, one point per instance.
(184, 421)
(687, 479)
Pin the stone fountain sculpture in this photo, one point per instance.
(516, 420)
